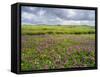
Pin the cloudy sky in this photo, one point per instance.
(55, 16)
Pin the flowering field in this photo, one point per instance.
(57, 47)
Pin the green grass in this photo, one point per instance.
(55, 47)
(45, 29)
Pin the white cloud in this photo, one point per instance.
(26, 15)
(31, 8)
(70, 22)
(78, 22)
(92, 15)
(71, 13)
(41, 12)
(38, 15)
(59, 19)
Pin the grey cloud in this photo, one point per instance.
(50, 15)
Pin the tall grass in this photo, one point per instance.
(57, 51)
(55, 47)
(45, 29)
